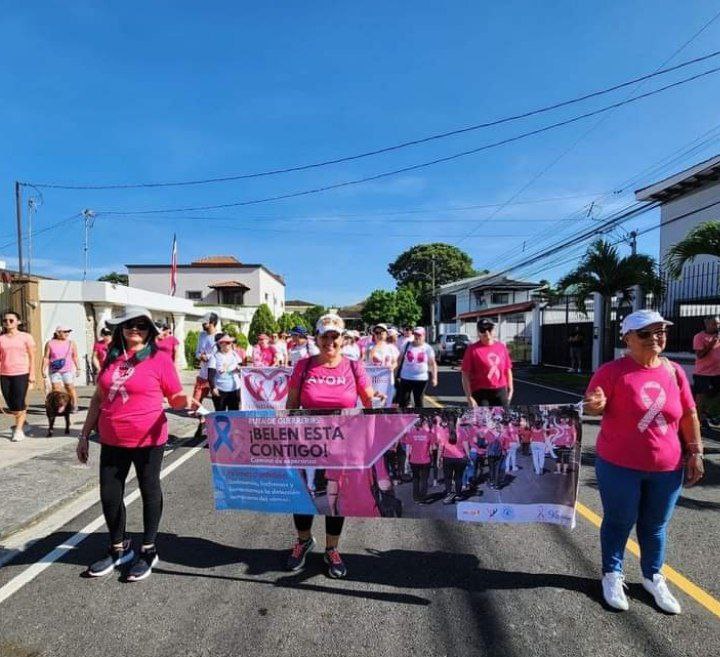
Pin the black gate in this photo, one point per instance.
(555, 349)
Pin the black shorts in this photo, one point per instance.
(14, 390)
(706, 385)
(491, 396)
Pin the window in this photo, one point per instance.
(194, 295)
(267, 297)
(500, 297)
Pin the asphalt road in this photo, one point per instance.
(414, 587)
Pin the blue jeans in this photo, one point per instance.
(635, 497)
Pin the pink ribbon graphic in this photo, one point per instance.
(119, 379)
(494, 372)
(654, 408)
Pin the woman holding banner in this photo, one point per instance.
(649, 441)
(327, 381)
(417, 367)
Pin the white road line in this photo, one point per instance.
(30, 573)
(539, 385)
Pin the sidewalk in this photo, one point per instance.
(40, 475)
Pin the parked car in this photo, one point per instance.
(451, 347)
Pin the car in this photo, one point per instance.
(451, 347)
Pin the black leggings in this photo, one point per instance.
(406, 387)
(227, 401)
(453, 470)
(563, 455)
(114, 468)
(14, 391)
(491, 396)
(333, 524)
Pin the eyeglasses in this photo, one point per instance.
(378, 331)
(8, 320)
(657, 333)
(138, 325)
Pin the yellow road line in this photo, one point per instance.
(683, 583)
(710, 603)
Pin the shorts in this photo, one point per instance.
(66, 378)
(201, 389)
(491, 396)
(14, 390)
(706, 385)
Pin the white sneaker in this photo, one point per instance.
(612, 586)
(17, 435)
(658, 587)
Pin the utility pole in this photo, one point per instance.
(633, 242)
(18, 215)
(89, 219)
(32, 209)
(432, 303)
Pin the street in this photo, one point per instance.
(414, 587)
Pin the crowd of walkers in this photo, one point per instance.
(648, 446)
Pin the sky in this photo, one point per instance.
(108, 93)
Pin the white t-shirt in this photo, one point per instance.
(352, 351)
(206, 345)
(385, 355)
(300, 351)
(416, 364)
(282, 350)
(225, 366)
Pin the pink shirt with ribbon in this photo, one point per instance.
(131, 413)
(640, 424)
(487, 366)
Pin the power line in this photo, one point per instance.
(422, 165)
(58, 224)
(387, 149)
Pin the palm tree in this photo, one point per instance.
(604, 271)
(704, 239)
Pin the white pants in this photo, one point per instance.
(511, 458)
(538, 455)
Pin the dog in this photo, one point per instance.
(57, 404)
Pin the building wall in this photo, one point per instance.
(273, 292)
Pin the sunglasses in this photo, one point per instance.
(378, 331)
(138, 325)
(657, 333)
(487, 329)
(8, 320)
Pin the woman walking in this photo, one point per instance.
(127, 413)
(487, 369)
(454, 453)
(649, 441)
(60, 363)
(100, 349)
(224, 375)
(328, 380)
(17, 369)
(417, 367)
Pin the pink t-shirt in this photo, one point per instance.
(328, 387)
(525, 434)
(639, 427)
(456, 451)
(61, 349)
(564, 435)
(487, 365)
(168, 345)
(710, 364)
(355, 490)
(101, 349)
(14, 356)
(263, 356)
(537, 435)
(421, 442)
(510, 435)
(131, 412)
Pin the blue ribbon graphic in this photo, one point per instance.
(222, 430)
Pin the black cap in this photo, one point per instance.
(485, 323)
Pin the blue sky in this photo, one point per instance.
(141, 92)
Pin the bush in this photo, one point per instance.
(262, 322)
(191, 343)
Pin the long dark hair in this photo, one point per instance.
(117, 346)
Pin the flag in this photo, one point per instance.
(173, 267)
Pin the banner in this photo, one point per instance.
(514, 465)
(264, 388)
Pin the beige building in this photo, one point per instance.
(215, 280)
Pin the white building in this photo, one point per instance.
(687, 199)
(84, 307)
(215, 280)
(506, 302)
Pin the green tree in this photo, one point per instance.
(424, 264)
(604, 271)
(116, 278)
(233, 330)
(312, 315)
(704, 239)
(191, 342)
(286, 321)
(380, 306)
(548, 293)
(262, 322)
(407, 309)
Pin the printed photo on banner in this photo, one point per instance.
(513, 465)
(267, 387)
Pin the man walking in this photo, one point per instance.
(205, 349)
(487, 369)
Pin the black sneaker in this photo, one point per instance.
(143, 566)
(115, 557)
(336, 567)
(300, 550)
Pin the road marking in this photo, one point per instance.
(433, 402)
(30, 573)
(683, 583)
(540, 385)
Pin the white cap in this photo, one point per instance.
(640, 319)
(330, 322)
(61, 328)
(130, 312)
